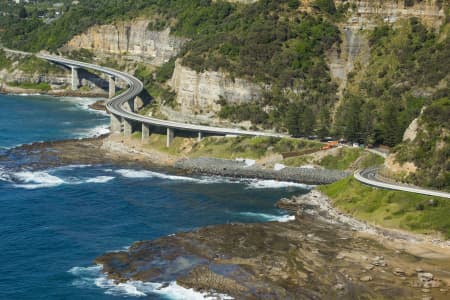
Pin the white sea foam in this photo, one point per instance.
(274, 184)
(5, 176)
(45, 179)
(100, 179)
(84, 104)
(71, 167)
(268, 217)
(88, 277)
(34, 180)
(251, 183)
(128, 173)
(93, 132)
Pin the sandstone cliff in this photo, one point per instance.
(20, 77)
(200, 92)
(366, 15)
(392, 10)
(131, 40)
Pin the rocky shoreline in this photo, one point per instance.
(317, 256)
(4, 90)
(323, 254)
(234, 168)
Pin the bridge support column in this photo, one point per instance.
(170, 136)
(127, 127)
(112, 86)
(116, 124)
(200, 136)
(145, 132)
(75, 78)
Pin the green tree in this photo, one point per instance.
(325, 5)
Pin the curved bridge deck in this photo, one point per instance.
(122, 112)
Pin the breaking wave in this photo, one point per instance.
(31, 180)
(84, 104)
(128, 173)
(250, 183)
(268, 217)
(93, 132)
(88, 277)
(274, 184)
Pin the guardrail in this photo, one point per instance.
(360, 176)
(115, 105)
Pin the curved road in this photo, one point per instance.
(369, 177)
(115, 105)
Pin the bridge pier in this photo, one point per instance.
(127, 127)
(75, 78)
(145, 132)
(116, 124)
(112, 86)
(200, 136)
(170, 137)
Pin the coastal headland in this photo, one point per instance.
(322, 253)
(354, 74)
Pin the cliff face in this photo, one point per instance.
(391, 11)
(18, 76)
(24, 76)
(366, 15)
(200, 92)
(132, 40)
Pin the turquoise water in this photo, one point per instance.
(54, 222)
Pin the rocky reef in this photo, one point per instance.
(309, 258)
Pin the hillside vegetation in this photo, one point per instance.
(408, 68)
(430, 150)
(282, 46)
(394, 209)
(269, 42)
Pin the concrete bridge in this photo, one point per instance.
(124, 118)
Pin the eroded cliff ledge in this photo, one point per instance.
(131, 40)
(197, 92)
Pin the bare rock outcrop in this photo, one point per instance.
(428, 11)
(200, 92)
(131, 40)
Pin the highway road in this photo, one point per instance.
(115, 105)
(369, 177)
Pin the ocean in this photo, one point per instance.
(55, 222)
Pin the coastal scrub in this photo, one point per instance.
(392, 209)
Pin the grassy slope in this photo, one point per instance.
(229, 147)
(392, 209)
(346, 158)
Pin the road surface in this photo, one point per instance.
(369, 177)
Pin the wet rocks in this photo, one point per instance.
(399, 272)
(378, 261)
(366, 278)
(239, 169)
(425, 277)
